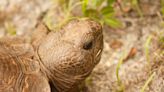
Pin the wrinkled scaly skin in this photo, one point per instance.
(54, 61)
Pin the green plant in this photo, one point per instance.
(101, 10)
(135, 5)
(84, 6)
(147, 48)
(119, 82)
(147, 82)
(66, 6)
(161, 44)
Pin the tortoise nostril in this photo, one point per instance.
(88, 45)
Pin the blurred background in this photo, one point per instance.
(133, 56)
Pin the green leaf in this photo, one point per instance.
(109, 15)
(92, 13)
(110, 2)
(107, 10)
(112, 22)
(84, 6)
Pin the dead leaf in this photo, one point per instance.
(131, 54)
(116, 44)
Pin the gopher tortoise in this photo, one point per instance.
(53, 61)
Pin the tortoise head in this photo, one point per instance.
(70, 54)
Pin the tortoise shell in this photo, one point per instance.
(52, 61)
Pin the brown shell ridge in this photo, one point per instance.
(11, 80)
(14, 66)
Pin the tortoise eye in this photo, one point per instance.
(88, 45)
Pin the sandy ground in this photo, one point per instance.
(133, 72)
(23, 14)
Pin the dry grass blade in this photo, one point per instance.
(147, 82)
(147, 46)
(121, 86)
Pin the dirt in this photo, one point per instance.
(134, 71)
